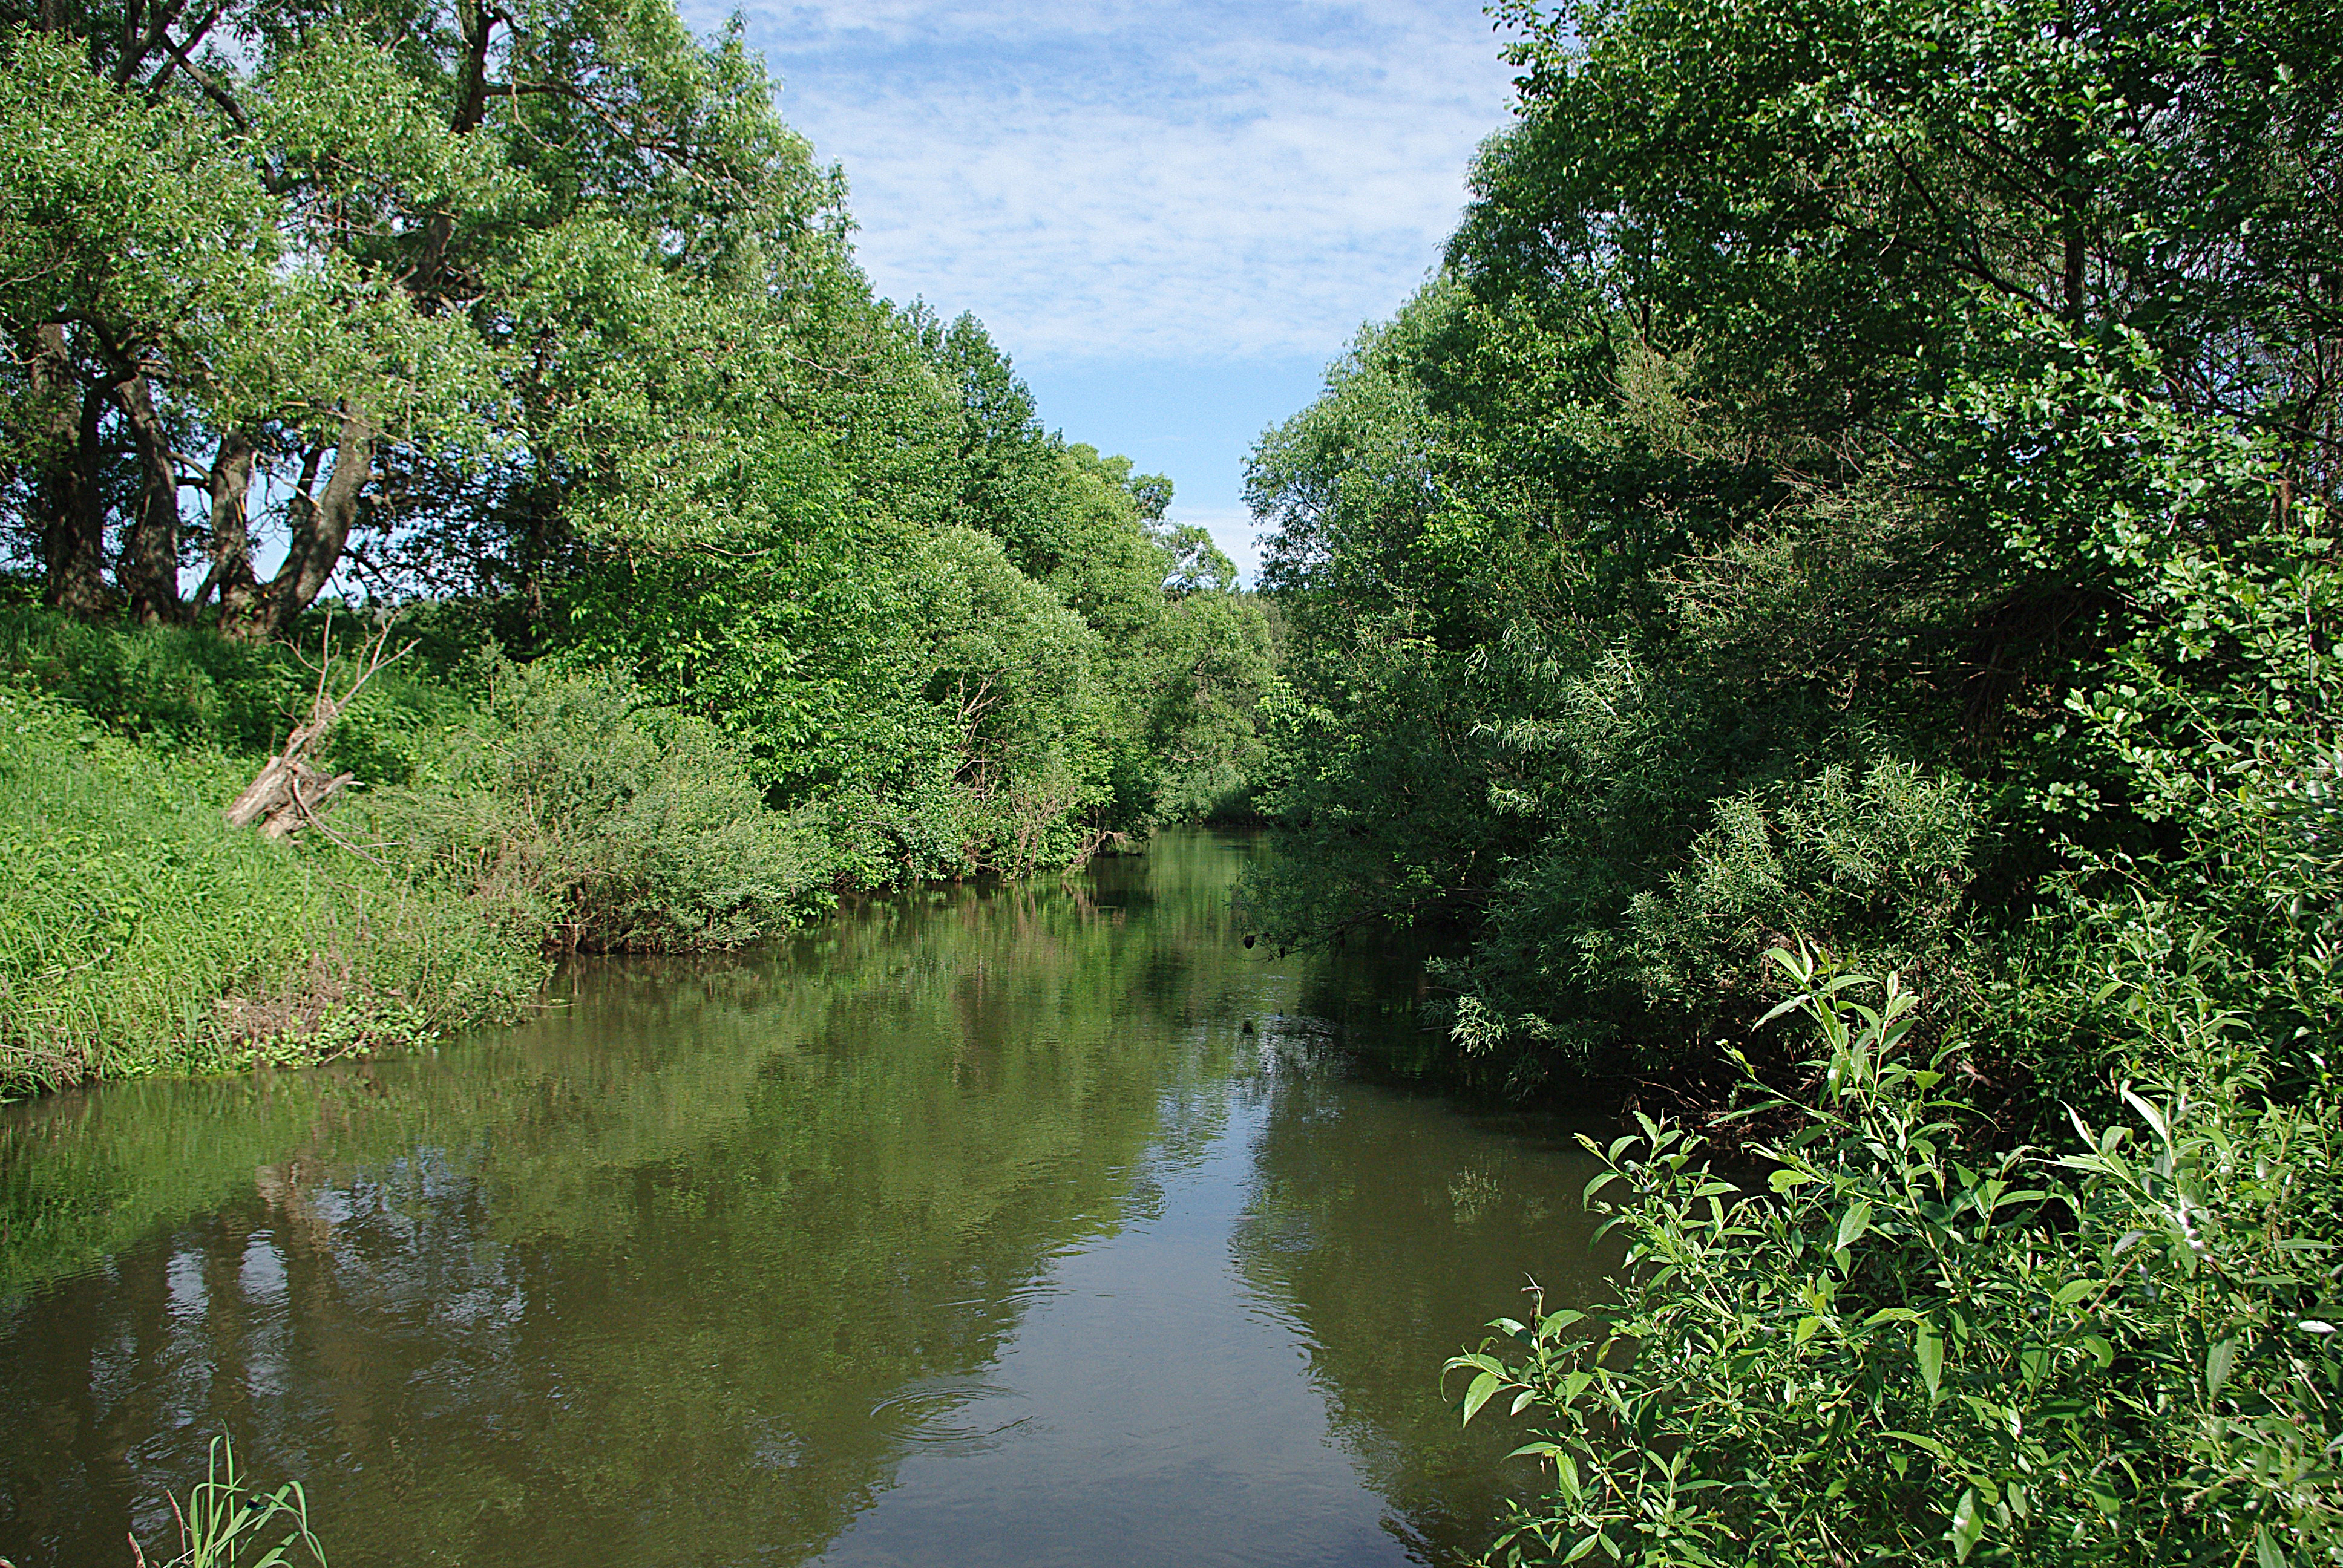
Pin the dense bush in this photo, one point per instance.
(1878, 862)
(578, 818)
(1872, 861)
(1909, 1345)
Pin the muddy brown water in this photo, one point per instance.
(1025, 1225)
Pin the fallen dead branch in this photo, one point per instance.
(290, 790)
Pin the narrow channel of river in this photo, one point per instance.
(1009, 1225)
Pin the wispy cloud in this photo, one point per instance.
(1105, 181)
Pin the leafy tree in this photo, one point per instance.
(547, 321)
(1838, 392)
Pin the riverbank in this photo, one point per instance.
(496, 814)
(501, 818)
(499, 813)
(140, 933)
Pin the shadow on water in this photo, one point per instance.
(1025, 1224)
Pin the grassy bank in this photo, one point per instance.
(505, 813)
(139, 932)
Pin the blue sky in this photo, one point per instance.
(1170, 215)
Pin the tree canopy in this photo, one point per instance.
(541, 319)
(1864, 471)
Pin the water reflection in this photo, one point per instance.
(977, 1227)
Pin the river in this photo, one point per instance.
(1025, 1224)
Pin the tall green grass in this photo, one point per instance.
(175, 686)
(140, 933)
(502, 811)
(229, 1522)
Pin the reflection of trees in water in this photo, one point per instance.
(1381, 1223)
(678, 1273)
(681, 1271)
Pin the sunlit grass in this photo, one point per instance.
(139, 932)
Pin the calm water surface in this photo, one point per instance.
(975, 1228)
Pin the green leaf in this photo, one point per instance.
(1968, 1525)
(1483, 1386)
(2104, 1352)
(2074, 1291)
(2265, 1552)
(2218, 1363)
(1788, 1177)
(2149, 1114)
(1857, 1220)
(1925, 1444)
(1806, 1329)
(1928, 1346)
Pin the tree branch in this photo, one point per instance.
(186, 48)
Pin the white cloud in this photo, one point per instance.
(1206, 182)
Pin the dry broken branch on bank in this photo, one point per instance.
(290, 790)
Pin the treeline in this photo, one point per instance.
(1862, 486)
(542, 333)
(1864, 474)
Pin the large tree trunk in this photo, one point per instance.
(149, 568)
(230, 484)
(72, 509)
(321, 529)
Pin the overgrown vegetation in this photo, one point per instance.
(538, 341)
(2107, 1351)
(139, 932)
(1864, 473)
(1863, 478)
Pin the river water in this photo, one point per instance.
(1009, 1225)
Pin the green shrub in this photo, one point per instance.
(1909, 1349)
(1870, 859)
(1870, 863)
(576, 815)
